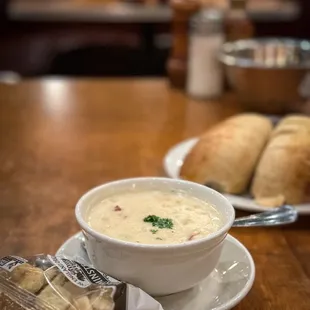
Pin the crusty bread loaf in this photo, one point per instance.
(225, 156)
(283, 172)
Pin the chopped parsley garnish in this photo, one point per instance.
(154, 231)
(159, 238)
(159, 221)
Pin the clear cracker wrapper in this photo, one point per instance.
(46, 282)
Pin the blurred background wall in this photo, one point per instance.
(113, 38)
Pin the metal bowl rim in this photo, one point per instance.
(237, 61)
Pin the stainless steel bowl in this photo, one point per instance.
(269, 75)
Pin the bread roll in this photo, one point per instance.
(225, 156)
(283, 172)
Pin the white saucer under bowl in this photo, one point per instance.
(174, 160)
(227, 285)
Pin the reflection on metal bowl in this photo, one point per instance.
(269, 75)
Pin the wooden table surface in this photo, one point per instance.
(59, 138)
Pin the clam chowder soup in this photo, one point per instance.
(154, 217)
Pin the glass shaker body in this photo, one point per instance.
(205, 73)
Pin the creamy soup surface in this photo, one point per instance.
(154, 217)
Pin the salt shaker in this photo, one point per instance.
(205, 74)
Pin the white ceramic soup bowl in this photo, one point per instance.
(157, 269)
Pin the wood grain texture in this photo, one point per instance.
(58, 138)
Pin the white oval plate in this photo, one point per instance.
(174, 160)
(227, 285)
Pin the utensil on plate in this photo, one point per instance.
(278, 216)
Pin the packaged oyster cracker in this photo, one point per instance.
(45, 282)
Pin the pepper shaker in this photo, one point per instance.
(238, 25)
(177, 63)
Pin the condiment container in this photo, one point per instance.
(269, 75)
(182, 10)
(205, 76)
(237, 22)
